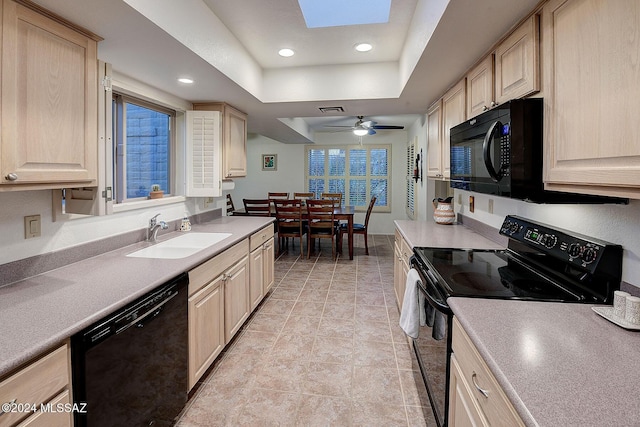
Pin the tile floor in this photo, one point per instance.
(323, 349)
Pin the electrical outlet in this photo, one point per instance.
(459, 200)
(32, 226)
(490, 207)
(471, 204)
(207, 202)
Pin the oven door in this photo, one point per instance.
(433, 346)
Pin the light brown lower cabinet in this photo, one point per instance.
(36, 390)
(261, 261)
(475, 397)
(218, 305)
(402, 252)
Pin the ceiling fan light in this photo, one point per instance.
(360, 132)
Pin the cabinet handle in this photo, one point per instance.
(11, 177)
(484, 392)
(493, 103)
(225, 277)
(484, 108)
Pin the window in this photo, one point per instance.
(143, 147)
(358, 172)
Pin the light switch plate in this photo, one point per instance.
(32, 226)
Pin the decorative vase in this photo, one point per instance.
(443, 211)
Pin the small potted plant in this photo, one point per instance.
(156, 192)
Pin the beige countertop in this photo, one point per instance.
(40, 312)
(428, 233)
(560, 364)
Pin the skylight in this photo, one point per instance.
(333, 13)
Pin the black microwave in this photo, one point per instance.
(499, 152)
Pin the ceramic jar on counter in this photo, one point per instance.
(443, 211)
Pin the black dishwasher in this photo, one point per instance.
(131, 367)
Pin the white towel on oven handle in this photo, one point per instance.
(412, 314)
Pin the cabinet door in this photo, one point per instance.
(268, 259)
(235, 143)
(236, 297)
(454, 108)
(434, 140)
(206, 328)
(592, 87)
(49, 101)
(397, 275)
(517, 62)
(462, 411)
(480, 88)
(256, 272)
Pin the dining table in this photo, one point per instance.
(340, 213)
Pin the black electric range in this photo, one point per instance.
(540, 263)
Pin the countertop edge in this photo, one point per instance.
(58, 336)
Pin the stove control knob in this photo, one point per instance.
(589, 255)
(513, 227)
(550, 240)
(574, 250)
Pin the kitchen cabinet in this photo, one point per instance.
(475, 397)
(441, 117)
(261, 261)
(480, 87)
(454, 109)
(434, 141)
(49, 102)
(517, 65)
(46, 381)
(218, 305)
(234, 138)
(401, 266)
(591, 88)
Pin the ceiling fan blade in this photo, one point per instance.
(368, 124)
(381, 127)
(371, 132)
(344, 127)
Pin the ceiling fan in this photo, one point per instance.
(367, 127)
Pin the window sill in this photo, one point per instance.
(130, 206)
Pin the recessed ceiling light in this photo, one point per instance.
(286, 52)
(363, 47)
(185, 80)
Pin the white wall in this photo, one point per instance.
(290, 175)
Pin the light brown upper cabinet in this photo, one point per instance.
(49, 100)
(234, 138)
(454, 108)
(592, 87)
(434, 141)
(480, 88)
(447, 112)
(517, 65)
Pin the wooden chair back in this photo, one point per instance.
(278, 196)
(337, 197)
(303, 196)
(369, 210)
(321, 223)
(289, 221)
(257, 207)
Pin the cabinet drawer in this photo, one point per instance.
(36, 383)
(204, 273)
(406, 252)
(495, 406)
(257, 239)
(55, 417)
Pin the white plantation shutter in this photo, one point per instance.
(410, 203)
(204, 160)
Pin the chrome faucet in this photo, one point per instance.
(152, 231)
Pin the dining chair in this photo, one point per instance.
(289, 222)
(257, 207)
(303, 196)
(230, 206)
(321, 224)
(278, 196)
(358, 228)
(337, 197)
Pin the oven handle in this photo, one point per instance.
(430, 291)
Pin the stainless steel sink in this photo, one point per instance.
(181, 246)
